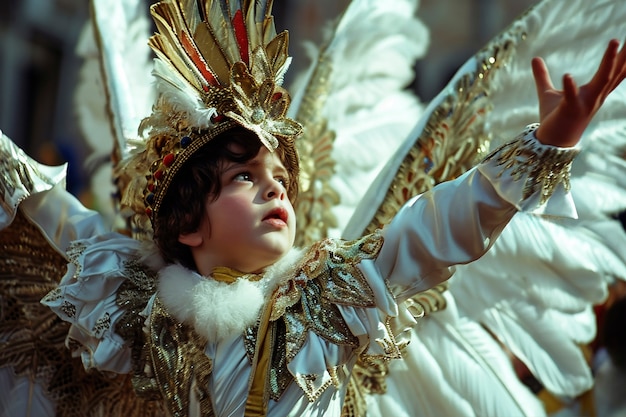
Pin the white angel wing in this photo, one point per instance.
(531, 296)
(121, 30)
(356, 93)
(114, 93)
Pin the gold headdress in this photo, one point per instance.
(219, 64)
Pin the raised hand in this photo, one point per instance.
(565, 114)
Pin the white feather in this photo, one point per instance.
(557, 362)
(181, 95)
(372, 53)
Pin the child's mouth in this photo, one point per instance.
(277, 217)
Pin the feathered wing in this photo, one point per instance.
(124, 60)
(39, 219)
(356, 107)
(38, 375)
(531, 296)
(114, 93)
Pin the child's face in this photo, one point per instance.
(252, 223)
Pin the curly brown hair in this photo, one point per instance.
(198, 179)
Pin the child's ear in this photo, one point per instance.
(192, 239)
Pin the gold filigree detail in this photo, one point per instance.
(261, 106)
(355, 403)
(307, 382)
(427, 302)
(372, 375)
(316, 198)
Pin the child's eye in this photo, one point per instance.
(243, 176)
(283, 181)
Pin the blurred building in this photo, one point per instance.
(38, 70)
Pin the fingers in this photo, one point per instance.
(603, 78)
(620, 65)
(570, 89)
(542, 76)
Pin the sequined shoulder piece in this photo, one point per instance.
(327, 276)
(333, 263)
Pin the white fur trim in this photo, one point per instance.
(218, 310)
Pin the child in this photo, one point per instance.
(228, 318)
(260, 328)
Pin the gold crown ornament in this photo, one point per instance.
(219, 64)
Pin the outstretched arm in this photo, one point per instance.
(565, 114)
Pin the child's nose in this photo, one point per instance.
(275, 190)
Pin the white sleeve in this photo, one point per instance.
(457, 221)
(87, 298)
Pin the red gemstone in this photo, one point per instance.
(277, 96)
(158, 175)
(151, 187)
(217, 118)
(148, 211)
(169, 159)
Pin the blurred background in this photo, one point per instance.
(39, 66)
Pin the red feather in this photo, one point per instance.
(198, 60)
(241, 35)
